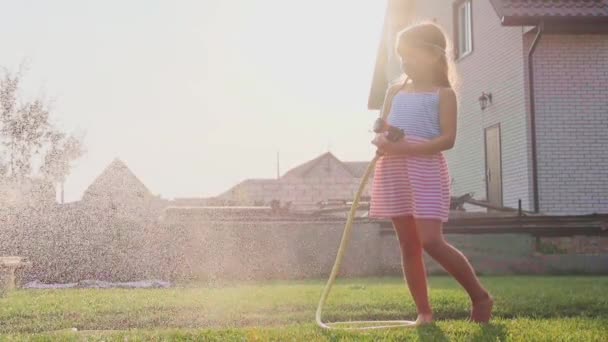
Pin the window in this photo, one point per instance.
(463, 28)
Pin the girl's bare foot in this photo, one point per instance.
(482, 309)
(424, 319)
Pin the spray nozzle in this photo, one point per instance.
(393, 133)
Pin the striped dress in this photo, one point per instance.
(417, 186)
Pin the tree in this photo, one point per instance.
(23, 127)
(57, 161)
(28, 138)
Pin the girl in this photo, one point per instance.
(411, 184)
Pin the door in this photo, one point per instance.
(493, 165)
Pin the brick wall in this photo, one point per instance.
(287, 250)
(495, 65)
(594, 245)
(571, 93)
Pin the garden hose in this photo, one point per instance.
(354, 325)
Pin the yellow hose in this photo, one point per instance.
(358, 325)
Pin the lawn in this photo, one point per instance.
(526, 309)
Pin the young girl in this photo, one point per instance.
(411, 184)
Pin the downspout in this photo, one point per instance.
(539, 31)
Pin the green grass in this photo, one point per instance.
(526, 309)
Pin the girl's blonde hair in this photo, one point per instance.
(431, 36)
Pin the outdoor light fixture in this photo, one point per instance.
(484, 100)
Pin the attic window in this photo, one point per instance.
(463, 28)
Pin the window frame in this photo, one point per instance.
(457, 21)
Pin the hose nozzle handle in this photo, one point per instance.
(394, 133)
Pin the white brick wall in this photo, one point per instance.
(495, 65)
(571, 92)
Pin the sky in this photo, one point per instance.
(198, 95)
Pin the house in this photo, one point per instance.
(189, 202)
(532, 98)
(324, 177)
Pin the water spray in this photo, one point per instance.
(393, 134)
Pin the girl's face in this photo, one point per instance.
(417, 61)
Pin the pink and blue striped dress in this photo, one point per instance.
(417, 186)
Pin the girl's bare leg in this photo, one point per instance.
(455, 263)
(413, 266)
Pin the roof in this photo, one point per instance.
(259, 180)
(357, 168)
(379, 78)
(399, 14)
(354, 168)
(302, 169)
(244, 184)
(530, 12)
(117, 177)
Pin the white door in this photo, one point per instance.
(493, 165)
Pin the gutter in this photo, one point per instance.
(539, 31)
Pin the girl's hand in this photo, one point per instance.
(380, 140)
(385, 146)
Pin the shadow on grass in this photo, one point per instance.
(431, 333)
(486, 332)
(491, 332)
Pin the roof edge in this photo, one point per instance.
(535, 20)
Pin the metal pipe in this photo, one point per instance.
(519, 211)
(539, 31)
